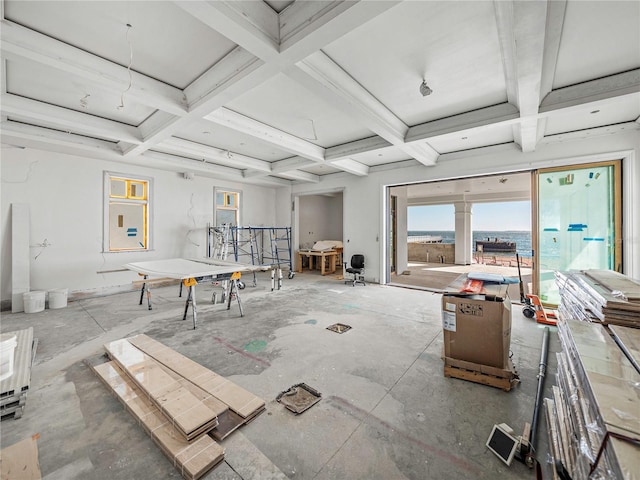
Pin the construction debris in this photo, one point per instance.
(14, 389)
(299, 397)
(593, 418)
(182, 405)
(601, 296)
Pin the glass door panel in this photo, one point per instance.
(578, 222)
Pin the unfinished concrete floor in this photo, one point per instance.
(387, 411)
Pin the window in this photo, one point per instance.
(126, 213)
(227, 208)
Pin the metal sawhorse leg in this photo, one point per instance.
(148, 290)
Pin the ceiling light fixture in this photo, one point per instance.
(425, 89)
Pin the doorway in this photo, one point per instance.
(440, 223)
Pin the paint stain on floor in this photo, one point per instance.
(311, 322)
(255, 346)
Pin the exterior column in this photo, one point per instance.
(464, 234)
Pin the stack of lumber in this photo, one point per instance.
(182, 405)
(14, 389)
(602, 296)
(594, 415)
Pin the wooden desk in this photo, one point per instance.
(319, 256)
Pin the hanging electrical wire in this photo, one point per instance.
(121, 106)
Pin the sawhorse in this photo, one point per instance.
(234, 289)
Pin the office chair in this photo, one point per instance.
(356, 269)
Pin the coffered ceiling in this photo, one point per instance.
(273, 92)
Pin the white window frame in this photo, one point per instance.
(237, 208)
(108, 199)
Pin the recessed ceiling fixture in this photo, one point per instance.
(425, 89)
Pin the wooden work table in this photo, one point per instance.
(320, 256)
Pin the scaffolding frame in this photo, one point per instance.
(263, 246)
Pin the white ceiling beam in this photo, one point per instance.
(351, 166)
(19, 42)
(323, 76)
(465, 123)
(364, 145)
(556, 10)
(189, 165)
(306, 27)
(207, 92)
(65, 119)
(521, 32)
(289, 164)
(205, 152)
(204, 169)
(77, 143)
(285, 141)
(252, 25)
(300, 176)
(621, 84)
(255, 175)
(592, 132)
(234, 66)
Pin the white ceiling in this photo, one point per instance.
(280, 91)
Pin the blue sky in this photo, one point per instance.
(485, 216)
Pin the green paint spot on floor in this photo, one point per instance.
(255, 346)
(348, 305)
(311, 322)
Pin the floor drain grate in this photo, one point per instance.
(299, 397)
(339, 327)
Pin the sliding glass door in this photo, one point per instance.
(578, 222)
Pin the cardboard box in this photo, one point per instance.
(477, 328)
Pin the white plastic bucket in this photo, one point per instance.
(33, 301)
(58, 298)
(8, 345)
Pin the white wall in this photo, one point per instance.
(65, 195)
(320, 218)
(363, 197)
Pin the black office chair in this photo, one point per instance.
(356, 269)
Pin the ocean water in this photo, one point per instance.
(521, 238)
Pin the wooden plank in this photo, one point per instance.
(20, 460)
(477, 376)
(23, 358)
(485, 369)
(20, 259)
(629, 341)
(241, 401)
(554, 437)
(193, 459)
(617, 282)
(189, 414)
(627, 456)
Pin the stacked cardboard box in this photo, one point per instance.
(477, 334)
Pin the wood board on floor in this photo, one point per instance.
(504, 379)
(629, 341)
(189, 414)
(239, 400)
(192, 458)
(20, 460)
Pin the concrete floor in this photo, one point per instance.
(387, 411)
